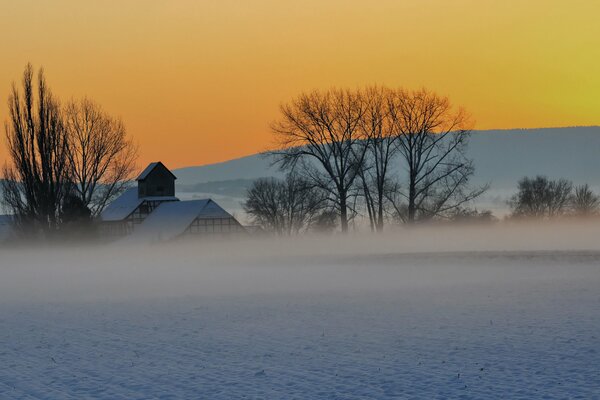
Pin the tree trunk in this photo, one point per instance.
(411, 201)
(379, 224)
(343, 213)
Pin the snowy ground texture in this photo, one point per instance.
(512, 325)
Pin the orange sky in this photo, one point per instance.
(199, 81)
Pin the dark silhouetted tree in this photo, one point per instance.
(541, 197)
(381, 147)
(584, 202)
(319, 136)
(37, 175)
(432, 139)
(101, 156)
(285, 207)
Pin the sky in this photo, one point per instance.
(200, 81)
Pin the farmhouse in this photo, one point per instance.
(151, 212)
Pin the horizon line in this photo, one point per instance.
(474, 130)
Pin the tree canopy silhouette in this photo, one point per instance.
(347, 142)
(38, 177)
(319, 134)
(58, 153)
(101, 156)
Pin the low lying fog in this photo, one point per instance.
(417, 257)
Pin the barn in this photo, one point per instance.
(152, 212)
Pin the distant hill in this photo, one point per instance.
(501, 158)
(232, 187)
(249, 167)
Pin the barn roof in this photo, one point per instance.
(126, 203)
(122, 206)
(151, 167)
(171, 219)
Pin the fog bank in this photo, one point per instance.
(421, 257)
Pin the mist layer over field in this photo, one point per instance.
(420, 256)
(507, 311)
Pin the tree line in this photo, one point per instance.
(342, 146)
(67, 161)
(387, 155)
(544, 198)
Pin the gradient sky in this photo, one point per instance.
(199, 81)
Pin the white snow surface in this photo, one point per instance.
(171, 219)
(127, 202)
(122, 206)
(429, 314)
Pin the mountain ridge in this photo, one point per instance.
(530, 152)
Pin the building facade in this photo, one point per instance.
(152, 212)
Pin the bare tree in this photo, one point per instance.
(101, 156)
(285, 207)
(263, 204)
(319, 135)
(38, 175)
(381, 147)
(432, 140)
(585, 202)
(541, 197)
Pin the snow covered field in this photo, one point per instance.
(483, 317)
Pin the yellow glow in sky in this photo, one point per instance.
(199, 81)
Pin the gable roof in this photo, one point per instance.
(122, 206)
(171, 219)
(150, 168)
(126, 203)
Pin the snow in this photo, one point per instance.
(308, 319)
(170, 219)
(127, 202)
(122, 206)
